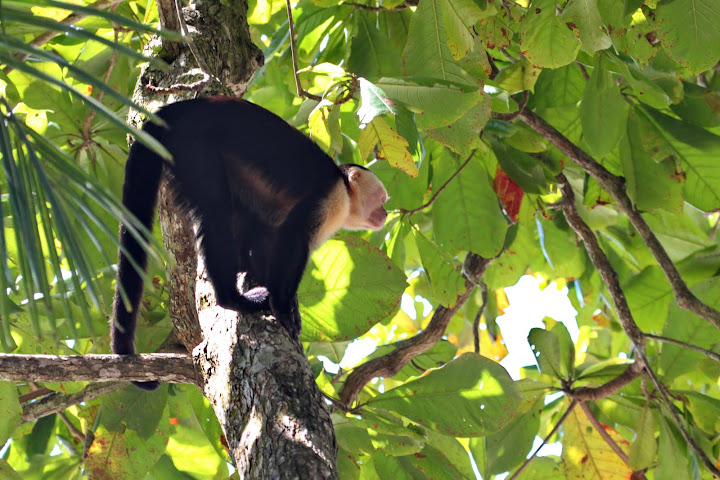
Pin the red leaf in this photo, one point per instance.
(509, 193)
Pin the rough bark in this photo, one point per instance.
(259, 381)
(165, 367)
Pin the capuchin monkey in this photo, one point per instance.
(263, 196)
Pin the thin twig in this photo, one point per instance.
(38, 392)
(434, 197)
(370, 8)
(293, 53)
(509, 117)
(74, 431)
(707, 353)
(615, 186)
(603, 433)
(58, 402)
(476, 322)
(545, 440)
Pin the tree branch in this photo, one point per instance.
(439, 190)
(707, 353)
(388, 365)
(606, 389)
(603, 433)
(615, 186)
(164, 367)
(610, 279)
(601, 263)
(58, 402)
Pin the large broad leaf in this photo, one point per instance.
(603, 111)
(698, 150)
(687, 327)
(554, 351)
(587, 455)
(376, 52)
(644, 448)
(649, 184)
(439, 103)
(391, 146)
(463, 136)
(10, 409)
(648, 295)
(585, 16)
(348, 287)
(459, 17)
(690, 32)
(673, 455)
(466, 215)
(469, 397)
(545, 38)
(520, 433)
(373, 102)
(427, 53)
(445, 279)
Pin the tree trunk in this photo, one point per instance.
(258, 380)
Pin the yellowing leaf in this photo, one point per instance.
(586, 455)
(391, 146)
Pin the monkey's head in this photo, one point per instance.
(367, 197)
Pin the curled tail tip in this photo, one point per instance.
(147, 386)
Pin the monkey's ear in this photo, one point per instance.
(354, 175)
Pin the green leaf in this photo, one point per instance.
(705, 410)
(376, 52)
(348, 287)
(698, 150)
(373, 102)
(134, 409)
(689, 30)
(673, 455)
(469, 397)
(463, 136)
(459, 16)
(603, 111)
(7, 472)
(643, 449)
(545, 38)
(427, 53)
(687, 327)
(388, 467)
(10, 410)
(437, 103)
(554, 351)
(649, 295)
(585, 16)
(445, 280)
(518, 76)
(649, 184)
(466, 215)
(520, 433)
(559, 87)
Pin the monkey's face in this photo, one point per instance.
(368, 195)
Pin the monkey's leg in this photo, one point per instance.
(285, 270)
(221, 261)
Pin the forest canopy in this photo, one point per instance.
(574, 141)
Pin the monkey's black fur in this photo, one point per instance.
(257, 188)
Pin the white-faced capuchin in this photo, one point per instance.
(263, 196)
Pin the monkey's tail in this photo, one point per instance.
(140, 190)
